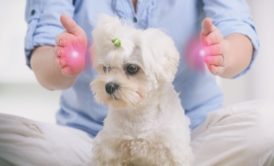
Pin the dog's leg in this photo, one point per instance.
(105, 154)
(183, 159)
(140, 152)
(181, 153)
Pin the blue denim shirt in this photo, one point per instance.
(181, 20)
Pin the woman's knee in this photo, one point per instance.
(41, 144)
(260, 137)
(17, 126)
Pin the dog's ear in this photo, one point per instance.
(160, 55)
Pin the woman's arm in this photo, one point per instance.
(239, 54)
(56, 67)
(47, 70)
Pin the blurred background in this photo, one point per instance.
(20, 94)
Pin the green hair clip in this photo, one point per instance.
(117, 42)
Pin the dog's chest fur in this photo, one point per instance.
(136, 145)
(144, 139)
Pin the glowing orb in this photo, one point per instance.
(202, 52)
(74, 54)
(194, 55)
(75, 58)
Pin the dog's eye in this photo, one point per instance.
(131, 69)
(106, 69)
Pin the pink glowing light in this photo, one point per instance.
(202, 53)
(74, 54)
(195, 54)
(75, 58)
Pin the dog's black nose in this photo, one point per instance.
(111, 87)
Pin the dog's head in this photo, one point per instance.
(131, 64)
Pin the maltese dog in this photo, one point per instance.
(145, 124)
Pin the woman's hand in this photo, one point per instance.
(71, 47)
(225, 56)
(214, 48)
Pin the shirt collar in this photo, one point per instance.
(125, 10)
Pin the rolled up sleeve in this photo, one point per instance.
(42, 17)
(233, 16)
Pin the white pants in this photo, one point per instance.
(240, 135)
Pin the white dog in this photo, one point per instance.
(145, 125)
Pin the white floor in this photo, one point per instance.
(30, 101)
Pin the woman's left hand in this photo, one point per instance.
(214, 48)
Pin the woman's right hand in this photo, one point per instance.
(71, 47)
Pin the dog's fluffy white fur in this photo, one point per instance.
(145, 125)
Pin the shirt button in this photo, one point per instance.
(32, 12)
(135, 19)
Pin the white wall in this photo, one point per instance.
(12, 32)
(262, 81)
